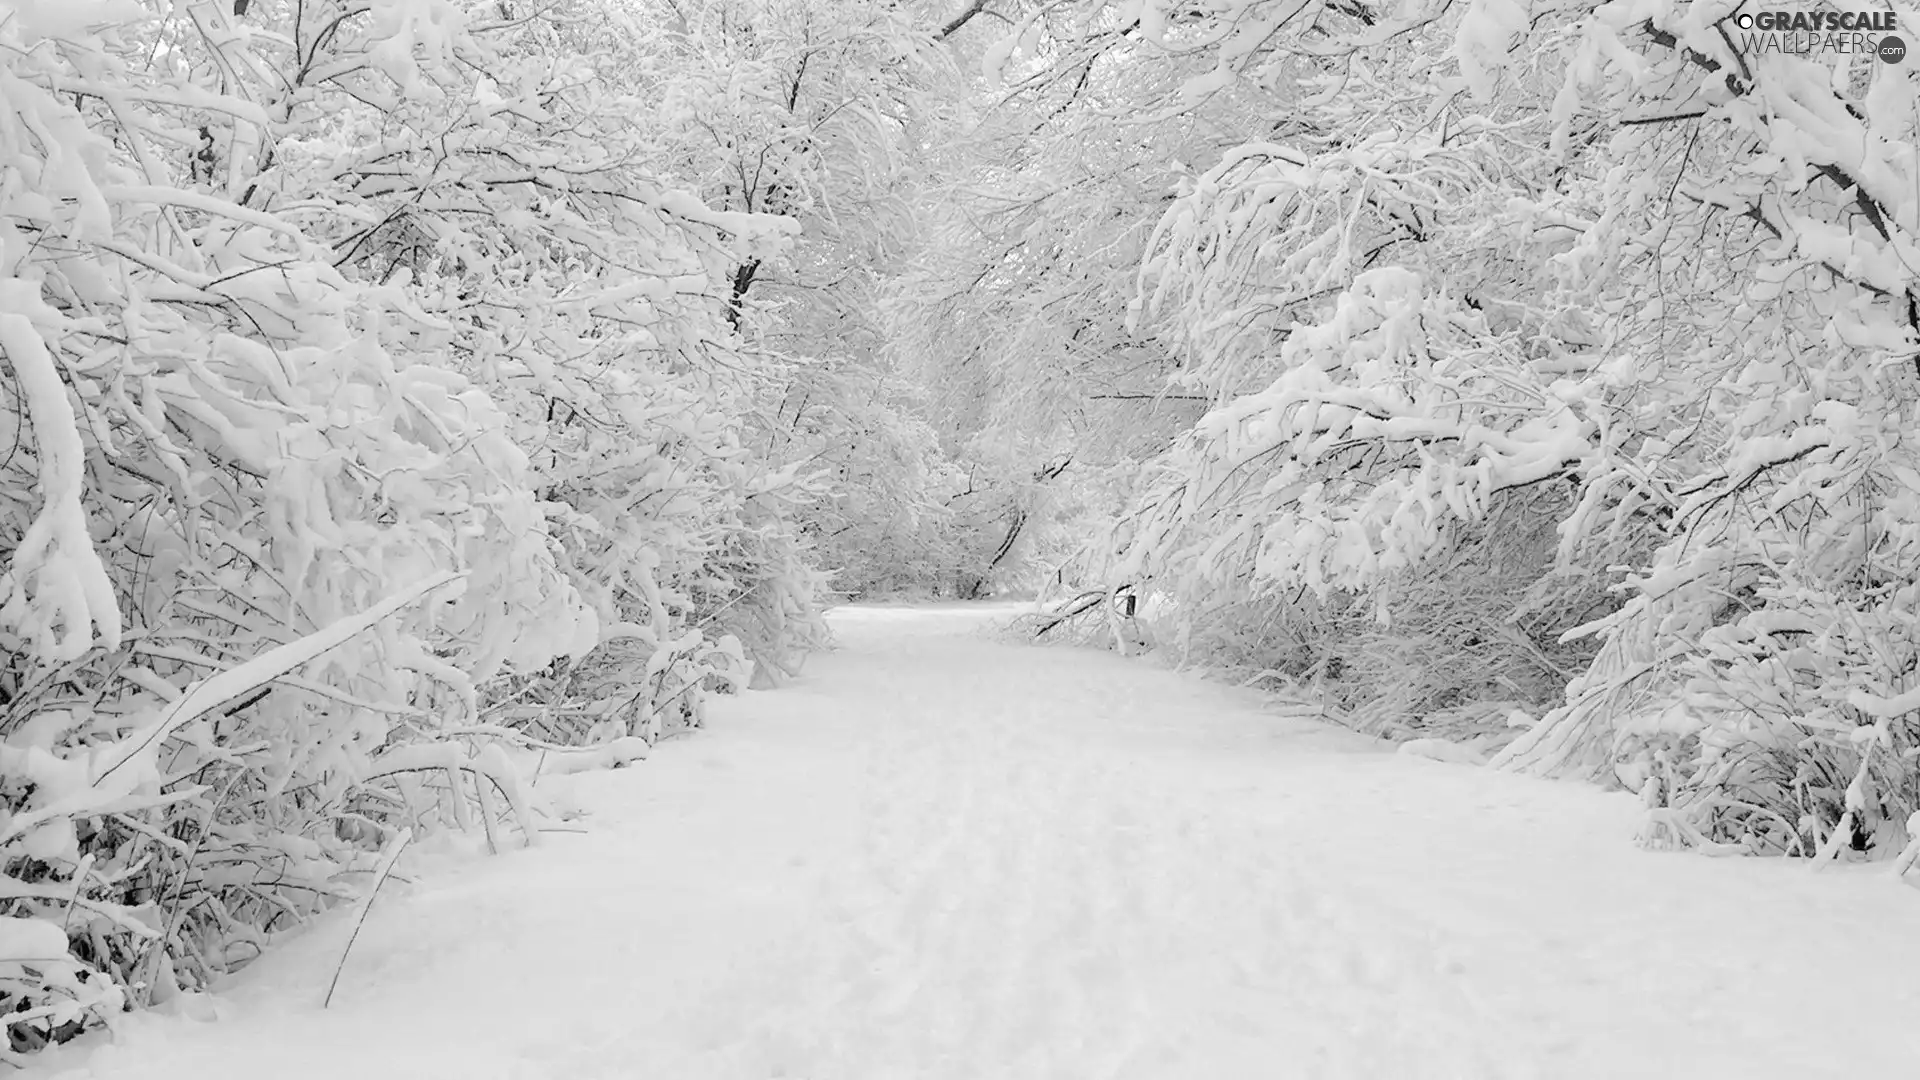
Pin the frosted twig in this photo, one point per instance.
(387, 858)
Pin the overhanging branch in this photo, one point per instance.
(960, 20)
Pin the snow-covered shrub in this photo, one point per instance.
(227, 458)
(1611, 256)
(350, 392)
(1760, 668)
(517, 201)
(1446, 648)
(1450, 647)
(1386, 510)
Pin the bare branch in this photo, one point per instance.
(960, 20)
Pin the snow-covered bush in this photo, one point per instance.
(519, 200)
(1447, 648)
(1759, 668)
(360, 386)
(1385, 511)
(227, 457)
(1606, 264)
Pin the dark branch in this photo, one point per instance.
(960, 20)
(1632, 120)
(742, 281)
(1148, 397)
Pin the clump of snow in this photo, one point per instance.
(54, 588)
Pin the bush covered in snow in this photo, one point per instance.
(1558, 362)
(373, 413)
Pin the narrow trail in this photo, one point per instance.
(940, 856)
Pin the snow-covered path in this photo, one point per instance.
(939, 856)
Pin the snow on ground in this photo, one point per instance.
(941, 856)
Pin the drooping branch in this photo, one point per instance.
(1014, 528)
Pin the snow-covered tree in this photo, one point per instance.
(1014, 314)
(814, 111)
(524, 199)
(374, 409)
(1606, 268)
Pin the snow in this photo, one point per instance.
(231, 683)
(940, 855)
(1489, 30)
(53, 587)
(31, 940)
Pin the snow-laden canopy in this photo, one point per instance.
(395, 394)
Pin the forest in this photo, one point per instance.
(401, 398)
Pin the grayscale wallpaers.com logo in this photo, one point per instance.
(1805, 32)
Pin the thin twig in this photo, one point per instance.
(380, 872)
